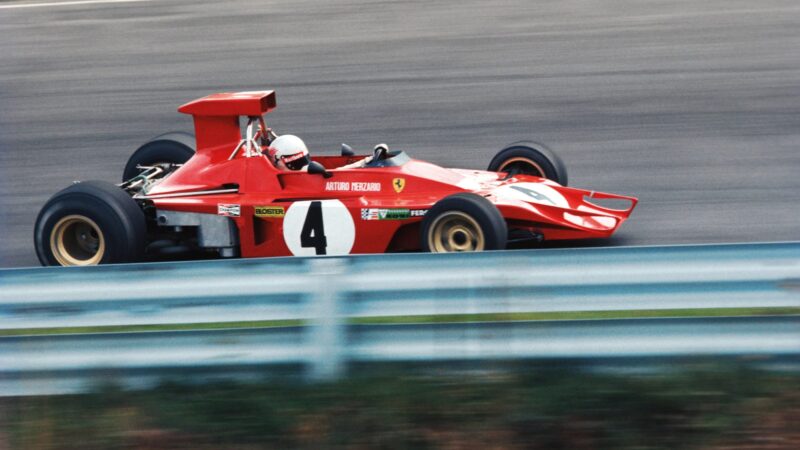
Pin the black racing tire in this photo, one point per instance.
(175, 148)
(530, 158)
(89, 223)
(463, 222)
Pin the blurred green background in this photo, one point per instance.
(717, 406)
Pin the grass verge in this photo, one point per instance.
(443, 318)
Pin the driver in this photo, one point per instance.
(289, 152)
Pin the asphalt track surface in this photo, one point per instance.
(693, 106)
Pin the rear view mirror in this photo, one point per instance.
(347, 150)
(318, 169)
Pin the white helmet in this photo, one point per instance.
(290, 153)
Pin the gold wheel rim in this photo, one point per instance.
(455, 231)
(77, 241)
(520, 159)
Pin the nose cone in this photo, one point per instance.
(570, 208)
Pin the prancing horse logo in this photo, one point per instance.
(398, 184)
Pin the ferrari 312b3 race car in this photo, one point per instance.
(221, 192)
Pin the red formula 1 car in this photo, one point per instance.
(221, 192)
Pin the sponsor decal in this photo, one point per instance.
(228, 210)
(270, 211)
(399, 184)
(354, 186)
(390, 214)
(369, 214)
(294, 157)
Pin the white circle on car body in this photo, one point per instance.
(534, 193)
(318, 227)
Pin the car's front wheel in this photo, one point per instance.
(530, 158)
(89, 223)
(463, 223)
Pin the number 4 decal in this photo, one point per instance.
(313, 233)
(318, 227)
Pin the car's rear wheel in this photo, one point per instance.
(174, 148)
(530, 158)
(463, 223)
(89, 223)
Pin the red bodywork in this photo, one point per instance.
(385, 204)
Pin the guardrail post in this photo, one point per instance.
(326, 334)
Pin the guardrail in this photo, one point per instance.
(324, 294)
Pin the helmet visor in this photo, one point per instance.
(296, 161)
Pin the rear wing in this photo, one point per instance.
(216, 117)
(254, 103)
